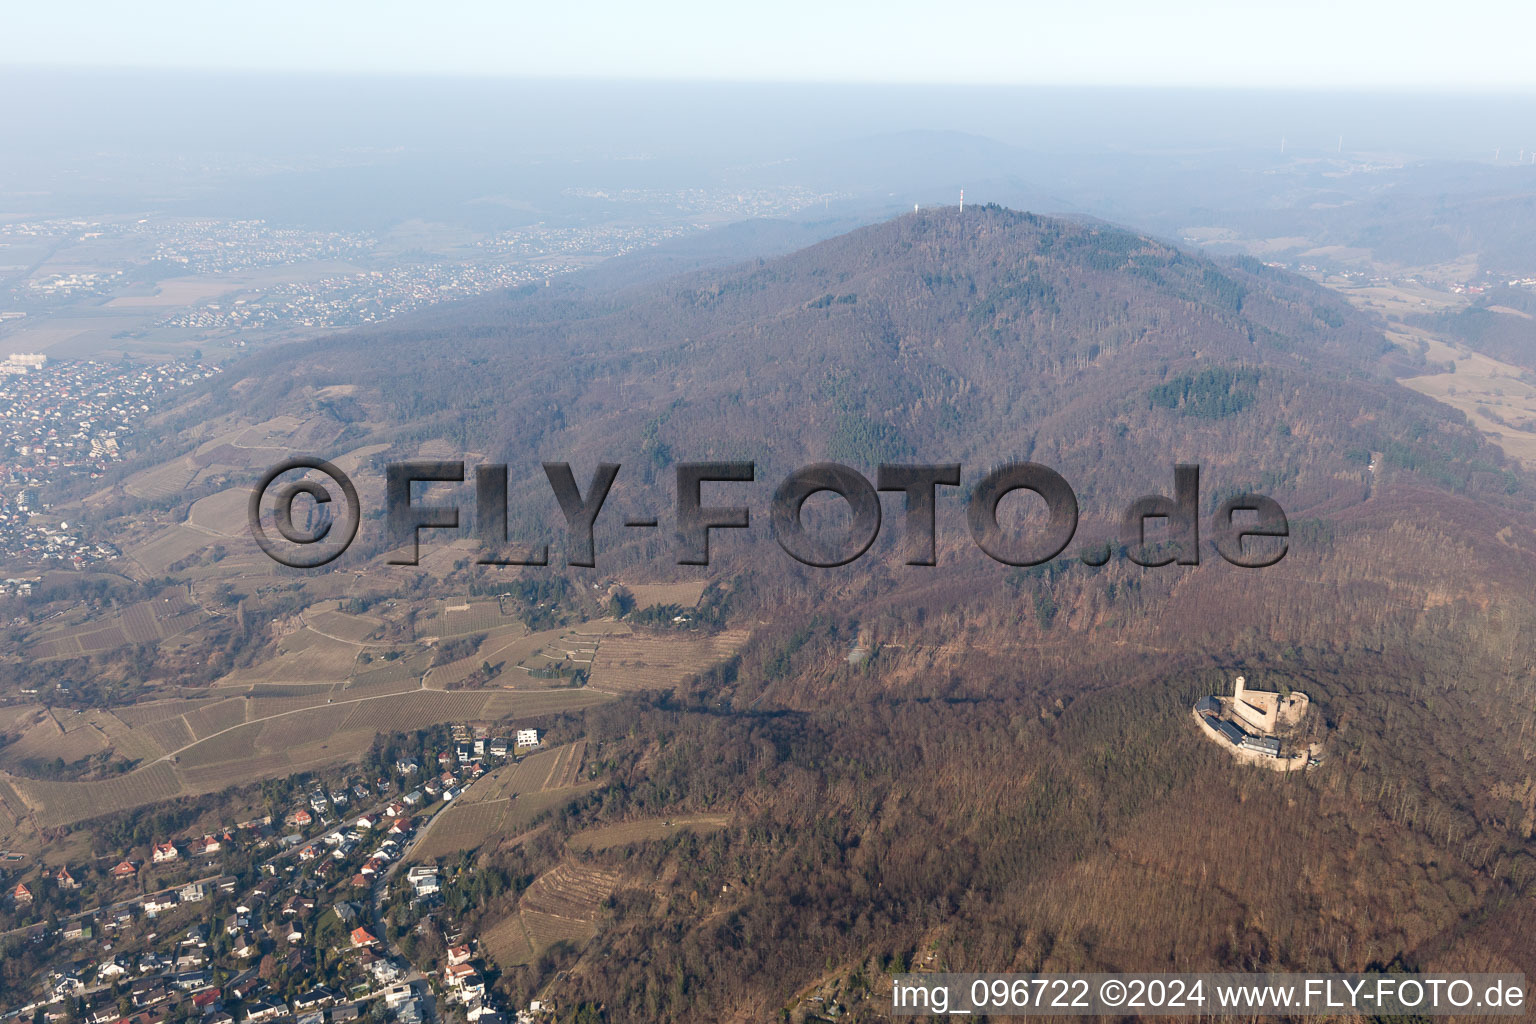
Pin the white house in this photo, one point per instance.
(159, 904)
(423, 880)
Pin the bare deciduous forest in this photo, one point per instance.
(1010, 780)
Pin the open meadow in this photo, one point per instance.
(607, 837)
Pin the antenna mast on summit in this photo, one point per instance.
(962, 200)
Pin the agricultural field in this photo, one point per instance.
(233, 448)
(1496, 397)
(279, 735)
(354, 629)
(222, 514)
(166, 616)
(607, 837)
(13, 811)
(353, 461)
(379, 670)
(554, 769)
(304, 658)
(156, 552)
(214, 718)
(166, 480)
(446, 677)
(263, 704)
(135, 715)
(659, 662)
(507, 942)
(133, 744)
(45, 735)
(506, 801)
(471, 824)
(464, 825)
(60, 803)
(238, 744)
(684, 595)
(168, 734)
(545, 658)
(553, 654)
(359, 688)
(558, 768)
(298, 730)
(524, 809)
(464, 617)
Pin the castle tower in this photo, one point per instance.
(1258, 709)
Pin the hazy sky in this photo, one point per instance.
(1400, 44)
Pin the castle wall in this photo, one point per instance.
(1278, 764)
(1258, 710)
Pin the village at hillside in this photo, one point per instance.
(270, 919)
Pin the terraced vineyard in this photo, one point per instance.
(562, 905)
(571, 891)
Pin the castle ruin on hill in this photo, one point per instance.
(1263, 727)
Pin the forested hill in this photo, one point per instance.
(975, 337)
(1011, 780)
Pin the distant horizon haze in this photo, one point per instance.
(1306, 45)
